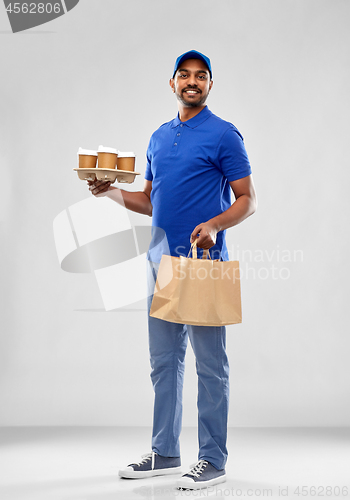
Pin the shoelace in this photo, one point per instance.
(146, 457)
(197, 470)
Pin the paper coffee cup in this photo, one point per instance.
(87, 158)
(126, 161)
(107, 157)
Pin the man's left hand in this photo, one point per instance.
(205, 234)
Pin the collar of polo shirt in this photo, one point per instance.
(195, 121)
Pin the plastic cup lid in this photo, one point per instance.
(104, 149)
(89, 152)
(122, 154)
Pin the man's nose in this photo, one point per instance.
(192, 81)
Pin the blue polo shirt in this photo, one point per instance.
(190, 165)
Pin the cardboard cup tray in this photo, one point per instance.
(106, 174)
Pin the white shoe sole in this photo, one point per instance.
(132, 474)
(188, 483)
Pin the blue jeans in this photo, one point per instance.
(167, 344)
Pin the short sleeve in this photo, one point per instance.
(232, 156)
(148, 173)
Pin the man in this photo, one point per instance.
(193, 164)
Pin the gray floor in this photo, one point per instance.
(82, 464)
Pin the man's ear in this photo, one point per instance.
(211, 84)
(172, 84)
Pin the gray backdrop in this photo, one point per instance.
(99, 75)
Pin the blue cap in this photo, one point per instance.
(192, 54)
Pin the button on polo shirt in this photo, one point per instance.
(190, 165)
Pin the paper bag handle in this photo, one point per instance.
(193, 249)
(206, 255)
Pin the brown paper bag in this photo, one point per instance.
(195, 291)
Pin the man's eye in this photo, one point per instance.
(182, 75)
(202, 77)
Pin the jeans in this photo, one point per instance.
(167, 344)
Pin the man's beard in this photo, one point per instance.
(190, 104)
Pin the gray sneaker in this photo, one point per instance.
(151, 465)
(201, 475)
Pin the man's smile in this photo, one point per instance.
(191, 91)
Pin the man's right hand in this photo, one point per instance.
(99, 188)
(139, 201)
